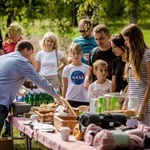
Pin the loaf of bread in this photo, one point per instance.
(128, 113)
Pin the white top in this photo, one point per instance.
(138, 87)
(76, 76)
(48, 62)
(96, 90)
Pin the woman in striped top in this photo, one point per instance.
(137, 71)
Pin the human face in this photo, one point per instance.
(85, 30)
(102, 40)
(49, 43)
(127, 43)
(13, 32)
(101, 73)
(117, 50)
(75, 55)
(28, 53)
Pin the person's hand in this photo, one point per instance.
(86, 56)
(86, 84)
(69, 60)
(141, 114)
(1, 52)
(58, 100)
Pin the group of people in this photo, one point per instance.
(98, 63)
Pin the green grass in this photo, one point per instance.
(20, 144)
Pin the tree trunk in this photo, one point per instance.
(133, 11)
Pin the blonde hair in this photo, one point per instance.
(99, 63)
(75, 46)
(49, 35)
(136, 49)
(16, 26)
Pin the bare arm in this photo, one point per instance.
(37, 66)
(65, 86)
(64, 63)
(88, 77)
(142, 109)
(113, 84)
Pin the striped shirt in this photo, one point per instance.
(138, 87)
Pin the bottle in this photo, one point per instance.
(32, 97)
(115, 105)
(37, 97)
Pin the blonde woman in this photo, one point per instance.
(48, 57)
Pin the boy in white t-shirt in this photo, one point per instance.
(102, 85)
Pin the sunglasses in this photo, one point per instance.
(85, 30)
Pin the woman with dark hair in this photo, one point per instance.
(118, 64)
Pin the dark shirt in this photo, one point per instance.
(118, 71)
(107, 56)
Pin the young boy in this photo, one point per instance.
(102, 85)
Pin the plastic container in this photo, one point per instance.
(98, 105)
(93, 102)
(114, 101)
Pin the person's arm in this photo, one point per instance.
(113, 84)
(64, 63)
(146, 98)
(65, 86)
(88, 77)
(37, 66)
(32, 60)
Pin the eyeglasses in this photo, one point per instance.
(85, 30)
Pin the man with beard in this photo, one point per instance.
(86, 40)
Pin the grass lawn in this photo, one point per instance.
(19, 144)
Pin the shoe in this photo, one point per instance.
(5, 134)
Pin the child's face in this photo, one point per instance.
(76, 56)
(101, 73)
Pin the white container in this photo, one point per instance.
(93, 104)
(65, 132)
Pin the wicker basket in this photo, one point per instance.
(45, 117)
(67, 121)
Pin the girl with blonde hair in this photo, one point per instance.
(73, 78)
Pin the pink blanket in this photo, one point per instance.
(103, 139)
(90, 132)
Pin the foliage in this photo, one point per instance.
(62, 15)
(26, 11)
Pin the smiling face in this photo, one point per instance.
(85, 30)
(14, 31)
(49, 43)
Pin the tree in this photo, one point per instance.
(26, 11)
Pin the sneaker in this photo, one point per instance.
(5, 134)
